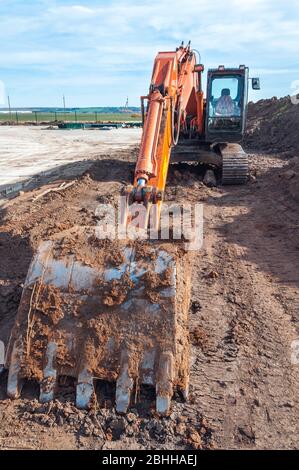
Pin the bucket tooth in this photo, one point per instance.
(84, 389)
(47, 386)
(124, 384)
(14, 382)
(164, 382)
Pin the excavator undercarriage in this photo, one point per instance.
(228, 161)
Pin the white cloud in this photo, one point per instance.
(270, 71)
(71, 12)
(210, 25)
(37, 57)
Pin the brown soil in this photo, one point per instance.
(243, 317)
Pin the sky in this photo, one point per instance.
(98, 52)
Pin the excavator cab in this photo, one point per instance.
(226, 105)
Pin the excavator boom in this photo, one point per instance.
(174, 88)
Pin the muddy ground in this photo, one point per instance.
(243, 315)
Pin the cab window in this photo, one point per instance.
(225, 96)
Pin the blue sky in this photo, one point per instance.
(98, 52)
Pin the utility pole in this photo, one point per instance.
(9, 107)
(64, 105)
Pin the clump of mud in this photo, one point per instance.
(88, 249)
(116, 291)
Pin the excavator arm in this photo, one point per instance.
(174, 84)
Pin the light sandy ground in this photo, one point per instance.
(28, 151)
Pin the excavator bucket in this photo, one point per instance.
(100, 309)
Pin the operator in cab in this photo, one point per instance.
(225, 105)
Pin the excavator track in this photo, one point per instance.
(235, 167)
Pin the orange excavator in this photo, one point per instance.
(117, 310)
(180, 125)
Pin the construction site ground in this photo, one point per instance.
(244, 311)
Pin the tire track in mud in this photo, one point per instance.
(245, 383)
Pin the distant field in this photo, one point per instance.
(69, 117)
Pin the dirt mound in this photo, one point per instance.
(273, 125)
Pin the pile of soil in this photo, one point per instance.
(272, 125)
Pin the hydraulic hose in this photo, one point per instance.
(175, 138)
